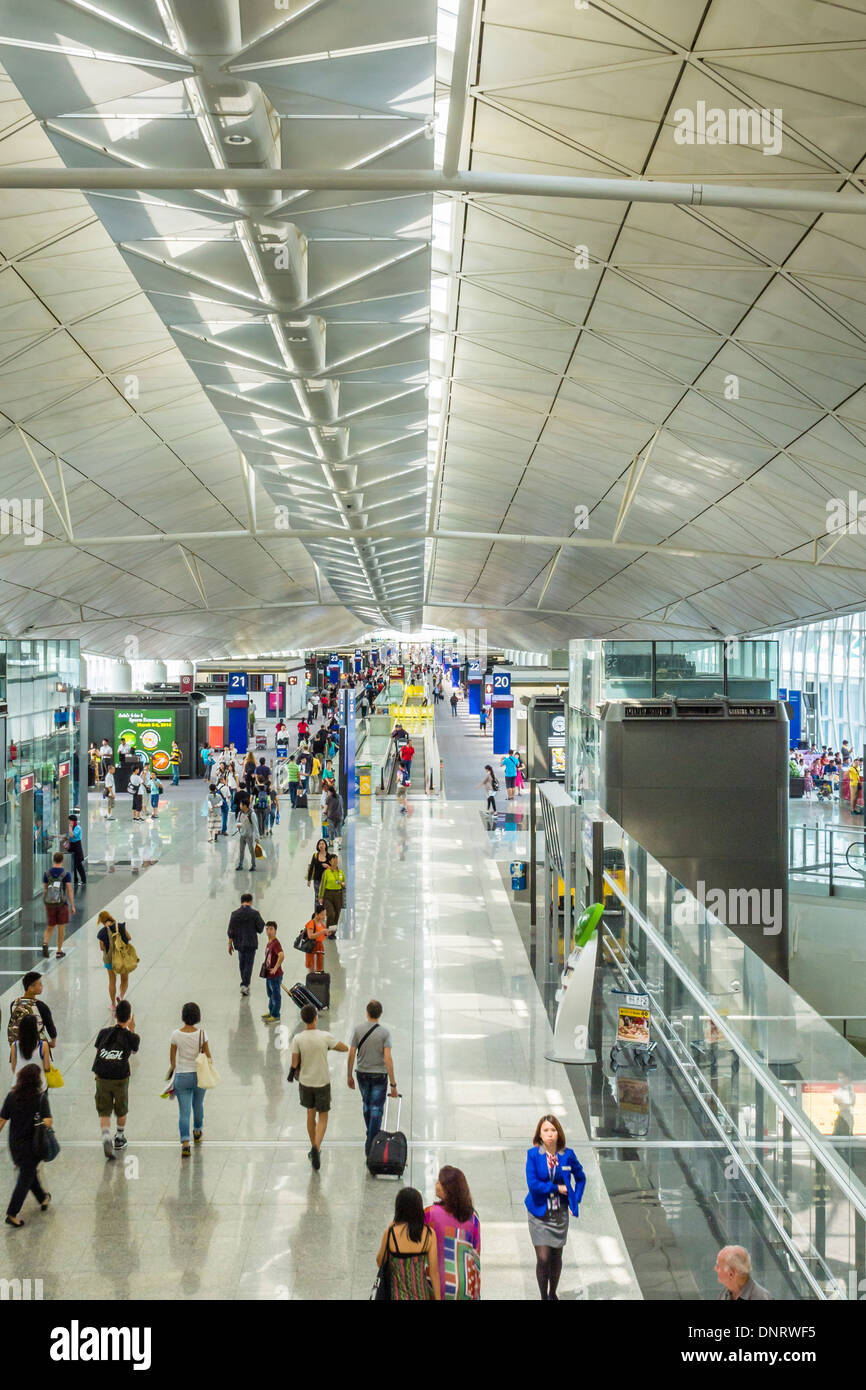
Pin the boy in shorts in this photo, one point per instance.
(310, 1050)
(114, 1047)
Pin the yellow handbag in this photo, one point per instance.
(53, 1077)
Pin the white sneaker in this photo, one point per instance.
(245, 989)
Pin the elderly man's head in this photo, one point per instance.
(733, 1268)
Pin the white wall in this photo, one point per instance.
(296, 695)
(519, 726)
(828, 955)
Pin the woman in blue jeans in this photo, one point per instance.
(187, 1042)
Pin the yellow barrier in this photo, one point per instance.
(419, 713)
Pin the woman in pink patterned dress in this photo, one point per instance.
(458, 1236)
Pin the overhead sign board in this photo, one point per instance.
(474, 675)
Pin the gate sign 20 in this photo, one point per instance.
(502, 688)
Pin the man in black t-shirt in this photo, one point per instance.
(114, 1047)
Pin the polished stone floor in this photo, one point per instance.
(429, 931)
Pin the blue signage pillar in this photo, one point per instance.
(357, 663)
(475, 686)
(502, 702)
(455, 674)
(237, 707)
(349, 736)
(795, 700)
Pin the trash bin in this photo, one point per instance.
(518, 875)
(365, 779)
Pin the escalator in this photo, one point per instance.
(419, 770)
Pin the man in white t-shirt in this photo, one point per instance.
(310, 1060)
(136, 784)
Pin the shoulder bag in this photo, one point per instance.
(381, 1290)
(46, 1145)
(206, 1074)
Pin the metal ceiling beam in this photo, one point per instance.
(459, 86)
(434, 181)
(398, 607)
(637, 471)
(386, 532)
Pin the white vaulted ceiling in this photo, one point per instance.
(560, 377)
(698, 385)
(304, 318)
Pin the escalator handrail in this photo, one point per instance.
(390, 769)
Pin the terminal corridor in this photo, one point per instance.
(430, 932)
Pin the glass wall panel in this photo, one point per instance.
(689, 669)
(825, 662)
(628, 670)
(41, 681)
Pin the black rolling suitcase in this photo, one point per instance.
(300, 995)
(389, 1150)
(301, 801)
(319, 984)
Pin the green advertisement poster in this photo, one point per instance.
(150, 730)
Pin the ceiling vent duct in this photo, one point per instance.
(334, 440)
(323, 400)
(305, 339)
(281, 251)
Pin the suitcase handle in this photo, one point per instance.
(385, 1125)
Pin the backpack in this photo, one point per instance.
(494, 782)
(20, 1010)
(55, 891)
(262, 799)
(122, 954)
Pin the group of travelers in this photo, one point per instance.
(143, 780)
(514, 769)
(830, 774)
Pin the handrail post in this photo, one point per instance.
(830, 837)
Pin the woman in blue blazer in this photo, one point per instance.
(556, 1181)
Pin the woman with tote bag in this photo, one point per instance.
(192, 1075)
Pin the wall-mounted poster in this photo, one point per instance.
(150, 730)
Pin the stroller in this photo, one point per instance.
(826, 787)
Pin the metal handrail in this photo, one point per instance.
(782, 1101)
(388, 769)
(628, 974)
